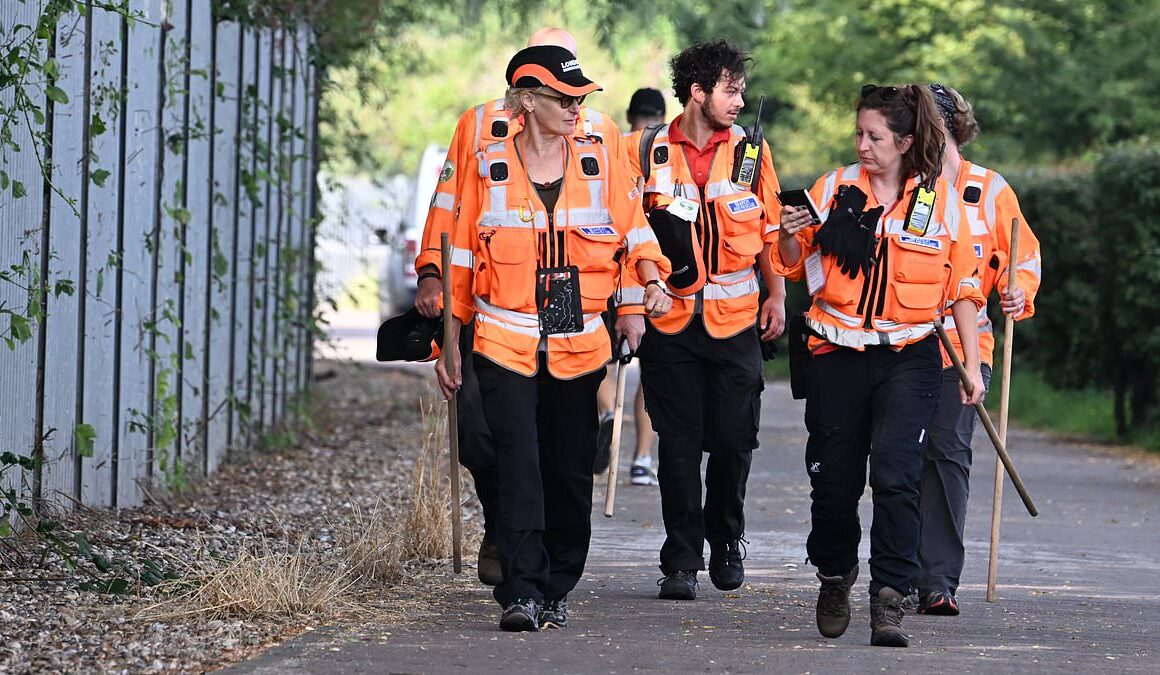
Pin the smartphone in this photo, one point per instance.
(800, 198)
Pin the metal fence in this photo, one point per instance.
(178, 211)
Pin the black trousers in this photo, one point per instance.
(476, 447)
(703, 395)
(946, 481)
(544, 431)
(875, 405)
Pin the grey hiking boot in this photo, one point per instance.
(554, 613)
(833, 612)
(521, 615)
(886, 619)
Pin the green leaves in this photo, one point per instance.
(86, 437)
(56, 94)
(99, 177)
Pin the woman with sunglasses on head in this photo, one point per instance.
(990, 205)
(892, 251)
(547, 226)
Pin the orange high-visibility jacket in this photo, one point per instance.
(503, 235)
(478, 128)
(734, 224)
(990, 205)
(917, 278)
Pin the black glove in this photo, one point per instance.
(848, 233)
(868, 223)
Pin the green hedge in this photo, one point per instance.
(1098, 310)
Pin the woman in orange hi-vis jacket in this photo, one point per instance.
(990, 205)
(893, 251)
(547, 228)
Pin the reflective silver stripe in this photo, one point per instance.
(734, 277)
(525, 323)
(497, 199)
(771, 227)
(859, 338)
(1033, 265)
(461, 257)
(443, 200)
(998, 184)
(950, 219)
(512, 219)
(494, 147)
(847, 319)
(976, 170)
(479, 110)
(984, 326)
(851, 171)
(633, 295)
(640, 235)
(828, 194)
(662, 181)
(596, 195)
(713, 291)
(720, 188)
(586, 216)
(533, 331)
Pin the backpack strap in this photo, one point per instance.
(646, 143)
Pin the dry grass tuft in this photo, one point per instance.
(259, 583)
(372, 544)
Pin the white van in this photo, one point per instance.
(398, 279)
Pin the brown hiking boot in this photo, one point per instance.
(833, 612)
(886, 619)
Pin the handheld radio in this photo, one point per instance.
(747, 155)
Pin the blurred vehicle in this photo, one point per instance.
(397, 279)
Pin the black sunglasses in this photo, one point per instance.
(885, 93)
(564, 100)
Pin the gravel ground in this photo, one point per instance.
(353, 465)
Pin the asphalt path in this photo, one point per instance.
(1077, 585)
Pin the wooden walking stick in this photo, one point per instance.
(452, 414)
(992, 433)
(1004, 403)
(614, 450)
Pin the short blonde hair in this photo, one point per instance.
(513, 100)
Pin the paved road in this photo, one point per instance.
(1077, 586)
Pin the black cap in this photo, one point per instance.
(549, 66)
(409, 337)
(647, 103)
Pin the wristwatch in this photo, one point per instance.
(659, 284)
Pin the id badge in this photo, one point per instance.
(683, 208)
(558, 304)
(815, 273)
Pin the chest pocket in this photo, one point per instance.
(739, 221)
(506, 275)
(919, 272)
(594, 251)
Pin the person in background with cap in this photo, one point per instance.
(647, 107)
(701, 363)
(990, 206)
(892, 252)
(477, 127)
(546, 223)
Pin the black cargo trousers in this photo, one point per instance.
(476, 447)
(872, 406)
(704, 396)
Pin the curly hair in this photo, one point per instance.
(909, 109)
(704, 63)
(957, 112)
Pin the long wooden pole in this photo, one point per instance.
(1004, 406)
(992, 433)
(452, 413)
(614, 450)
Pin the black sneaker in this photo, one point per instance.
(833, 611)
(940, 603)
(603, 444)
(725, 568)
(554, 613)
(680, 585)
(521, 615)
(487, 565)
(886, 619)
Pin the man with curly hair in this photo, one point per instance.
(701, 363)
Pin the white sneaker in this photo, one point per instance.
(642, 473)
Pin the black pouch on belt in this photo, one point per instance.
(558, 304)
(798, 334)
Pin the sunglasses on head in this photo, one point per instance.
(566, 101)
(885, 93)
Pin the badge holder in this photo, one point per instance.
(558, 304)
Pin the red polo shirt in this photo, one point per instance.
(700, 159)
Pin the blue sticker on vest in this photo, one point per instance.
(979, 251)
(926, 242)
(598, 230)
(744, 204)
